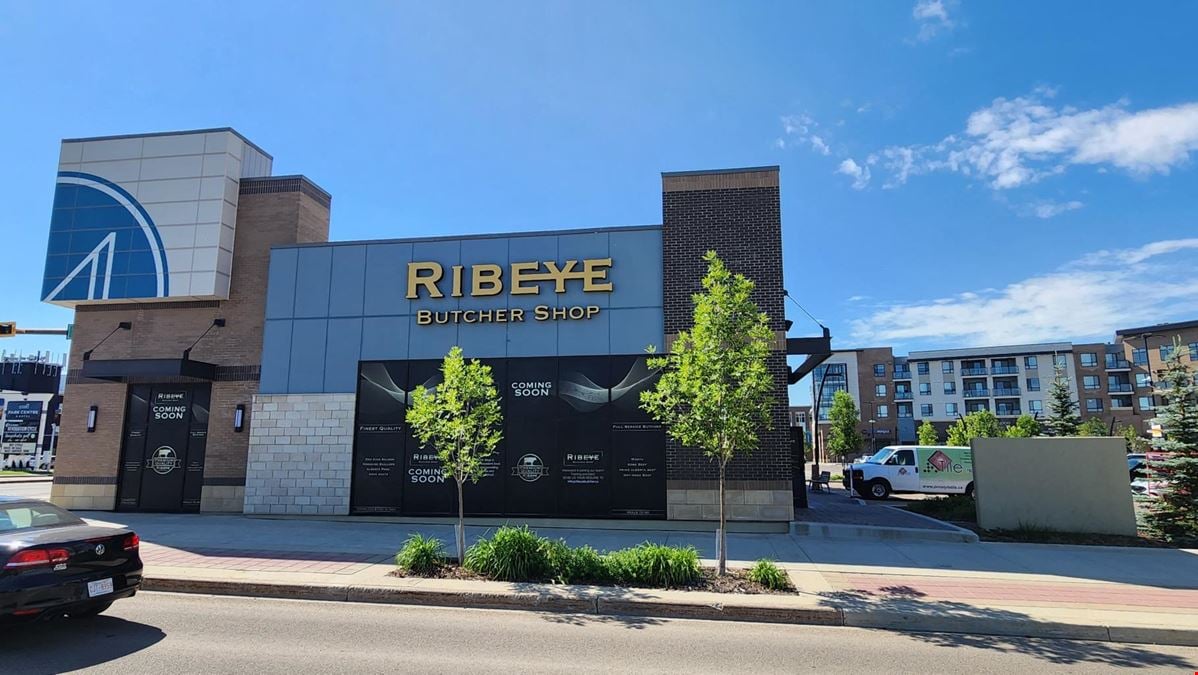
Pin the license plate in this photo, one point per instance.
(101, 587)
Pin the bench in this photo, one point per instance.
(821, 483)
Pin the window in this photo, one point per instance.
(1146, 403)
(1093, 405)
(950, 409)
(879, 370)
(1029, 362)
(1143, 381)
(1194, 351)
(26, 516)
(1035, 406)
(902, 458)
(925, 388)
(880, 390)
(1090, 381)
(946, 366)
(925, 409)
(1120, 401)
(950, 387)
(1089, 359)
(922, 366)
(1139, 357)
(883, 412)
(1166, 352)
(904, 410)
(1033, 384)
(1059, 360)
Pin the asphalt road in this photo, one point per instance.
(37, 490)
(167, 633)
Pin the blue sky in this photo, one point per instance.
(953, 173)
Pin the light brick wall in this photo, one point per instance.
(745, 499)
(301, 450)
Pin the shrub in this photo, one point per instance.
(654, 565)
(420, 555)
(511, 554)
(960, 508)
(575, 565)
(766, 573)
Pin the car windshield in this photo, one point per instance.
(32, 515)
(879, 456)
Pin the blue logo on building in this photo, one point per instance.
(103, 244)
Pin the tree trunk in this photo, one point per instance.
(461, 526)
(723, 561)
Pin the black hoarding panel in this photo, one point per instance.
(583, 448)
(379, 433)
(137, 415)
(197, 443)
(167, 437)
(531, 456)
(638, 444)
(426, 490)
(485, 498)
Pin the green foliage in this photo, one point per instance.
(1063, 418)
(420, 555)
(959, 508)
(714, 391)
(843, 437)
(928, 434)
(511, 554)
(650, 564)
(977, 424)
(1024, 427)
(1135, 442)
(1175, 515)
(575, 565)
(1093, 427)
(766, 573)
(461, 421)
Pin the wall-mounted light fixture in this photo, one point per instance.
(239, 418)
(91, 418)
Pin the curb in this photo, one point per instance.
(548, 599)
(21, 479)
(840, 531)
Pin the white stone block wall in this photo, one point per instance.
(301, 451)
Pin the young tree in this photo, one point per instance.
(461, 421)
(843, 436)
(1093, 427)
(1063, 419)
(714, 391)
(977, 424)
(927, 434)
(1024, 427)
(1135, 442)
(1175, 514)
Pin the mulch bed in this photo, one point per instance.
(736, 581)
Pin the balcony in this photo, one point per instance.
(975, 393)
(1117, 364)
(1004, 370)
(1002, 411)
(902, 374)
(973, 371)
(1006, 391)
(1120, 403)
(1124, 388)
(902, 395)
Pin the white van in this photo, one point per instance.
(933, 469)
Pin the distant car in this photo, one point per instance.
(1136, 464)
(52, 563)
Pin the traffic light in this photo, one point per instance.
(8, 328)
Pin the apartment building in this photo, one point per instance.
(1111, 381)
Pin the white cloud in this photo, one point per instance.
(1087, 298)
(1015, 142)
(857, 298)
(932, 18)
(801, 130)
(820, 146)
(1049, 209)
(859, 174)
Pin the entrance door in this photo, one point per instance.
(166, 434)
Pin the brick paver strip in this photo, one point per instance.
(327, 562)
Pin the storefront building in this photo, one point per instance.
(228, 357)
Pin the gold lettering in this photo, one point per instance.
(429, 281)
(424, 317)
(457, 281)
(525, 271)
(593, 272)
(517, 314)
(561, 276)
(541, 313)
(486, 280)
(592, 310)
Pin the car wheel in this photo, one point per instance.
(877, 489)
(92, 609)
(969, 490)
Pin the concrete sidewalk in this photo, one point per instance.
(1106, 593)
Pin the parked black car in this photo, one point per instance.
(52, 563)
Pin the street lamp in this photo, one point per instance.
(873, 440)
